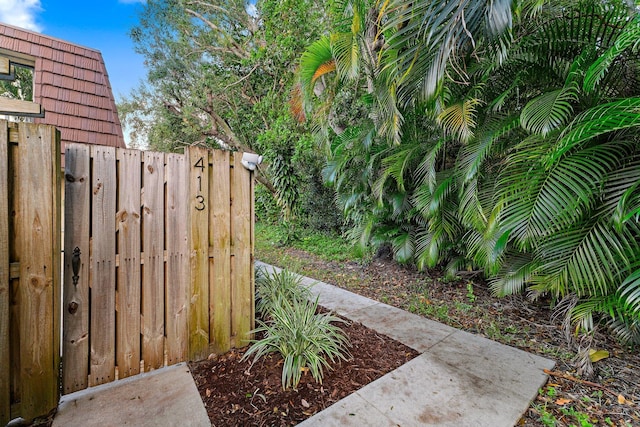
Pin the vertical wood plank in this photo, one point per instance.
(56, 237)
(128, 284)
(15, 248)
(36, 189)
(153, 265)
(220, 263)
(241, 291)
(252, 228)
(199, 251)
(178, 276)
(5, 360)
(75, 370)
(103, 266)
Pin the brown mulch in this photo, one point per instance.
(236, 393)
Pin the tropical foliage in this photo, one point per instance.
(501, 137)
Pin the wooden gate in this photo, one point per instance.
(158, 260)
(30, 273)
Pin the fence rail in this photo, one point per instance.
(163, 249)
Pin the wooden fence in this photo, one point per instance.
(158, 263)
(30, 261)
(163, 252)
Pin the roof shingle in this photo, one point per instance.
(72, 85)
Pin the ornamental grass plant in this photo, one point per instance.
(292, 326)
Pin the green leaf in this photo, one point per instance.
(548, 111)
(629, 37)
(596, 121)
(403, 248)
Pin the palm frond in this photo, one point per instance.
(473, 154)
(630, 291)
(430, 202)
(460, 118)
(346, 51)
(623, 323)
(403, 247)
(548, 111)
(425, 172)
(316, 61)
(623, 189)
(515, 275)
(629, 37)
(599, 120)
(585, 259)
(539, 202)
(428, 33)
(396, 163)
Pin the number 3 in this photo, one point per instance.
(200, 203)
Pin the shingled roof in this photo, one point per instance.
(71, 84)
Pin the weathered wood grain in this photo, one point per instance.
(35, 222)
(103, 266)
(242, 299)
(177, 276)
(153, 260)
(220, 243)
(75, 359)
(128, 278)
(199, 205)
(5, 359)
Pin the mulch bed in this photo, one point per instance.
(236, 393)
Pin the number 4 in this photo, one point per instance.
(200, 164)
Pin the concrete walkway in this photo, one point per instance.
(460, 379)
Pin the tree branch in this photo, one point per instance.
(235, 48)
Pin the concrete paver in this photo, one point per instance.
(164, 397)
(410, 329)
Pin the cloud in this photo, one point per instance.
(21, 13)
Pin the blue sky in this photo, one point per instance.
(99, 24)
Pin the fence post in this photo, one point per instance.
(36, 227)
(5, 360)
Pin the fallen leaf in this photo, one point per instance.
(305, 403)
(595, 355)
(621, 399)
(562, 401)
(208, 392)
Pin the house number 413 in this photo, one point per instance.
(200, 201)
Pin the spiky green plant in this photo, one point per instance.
(272, 288)
(305, 339)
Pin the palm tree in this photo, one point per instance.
(508, 139)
